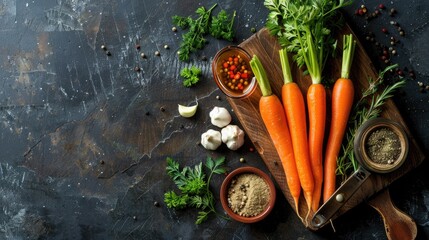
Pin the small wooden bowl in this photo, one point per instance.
(227, 183)
(220, 80)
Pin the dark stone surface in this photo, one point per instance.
(83, 141)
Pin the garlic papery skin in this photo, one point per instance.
(220, 117)
(233, 137)
(211, 139)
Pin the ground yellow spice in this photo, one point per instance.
(248, 195)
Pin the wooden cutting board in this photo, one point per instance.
(267, 47)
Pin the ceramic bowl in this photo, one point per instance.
(220, 74)
(227, 184)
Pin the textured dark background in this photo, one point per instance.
(83, 141)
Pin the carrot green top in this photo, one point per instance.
(303, 27)
(261, 76)
(348, 52)
(287, 76)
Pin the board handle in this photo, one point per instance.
(398, 225)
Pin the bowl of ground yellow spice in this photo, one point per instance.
(247, 194)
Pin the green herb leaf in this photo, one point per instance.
(194, 186)
(219, 26)
(191, 76)
(175, 201)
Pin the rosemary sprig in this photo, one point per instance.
(367, 107)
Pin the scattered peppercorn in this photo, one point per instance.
(242, 160)
(204, 58)
(156, 204)
(135, 217)
(174, 29)
(381, 6)
(102, 162)
(108, 53)
(142, 55)
(147, 113)
(251, 149)
(157, 53)
(166, 46)
(218, 97)
(253, 30)
(104, 47)
(162, 109)
(138, 46)
(137, 69)
(384, 30)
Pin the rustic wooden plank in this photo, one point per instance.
(266, 47)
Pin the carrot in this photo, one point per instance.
(316, 104)
(293, 103)
(274, 118)
(342, 102)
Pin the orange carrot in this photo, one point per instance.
(342, 102)
(293, 103)
(274, 118)
(316, 102)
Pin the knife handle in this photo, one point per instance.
(339, 198)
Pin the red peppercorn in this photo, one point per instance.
(381, 6)
(384, 30)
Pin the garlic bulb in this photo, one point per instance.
(211, 139)
(220, 117)
(233, 137)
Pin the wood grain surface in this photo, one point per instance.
(267, 47)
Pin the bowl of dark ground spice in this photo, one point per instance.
(247, 194)
(381, 145)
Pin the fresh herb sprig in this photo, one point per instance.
(195, 189)
(194, 38)
(191, 76)
(301, 27)
(369, 106)
(220, 26)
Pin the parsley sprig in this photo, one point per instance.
(191, 76)
(219, 26)
(195, 189)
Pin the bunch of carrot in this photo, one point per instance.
(301, 147)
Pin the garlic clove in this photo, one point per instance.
(220, 117)
(211, 139)
(187, 111)
(232, 136)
